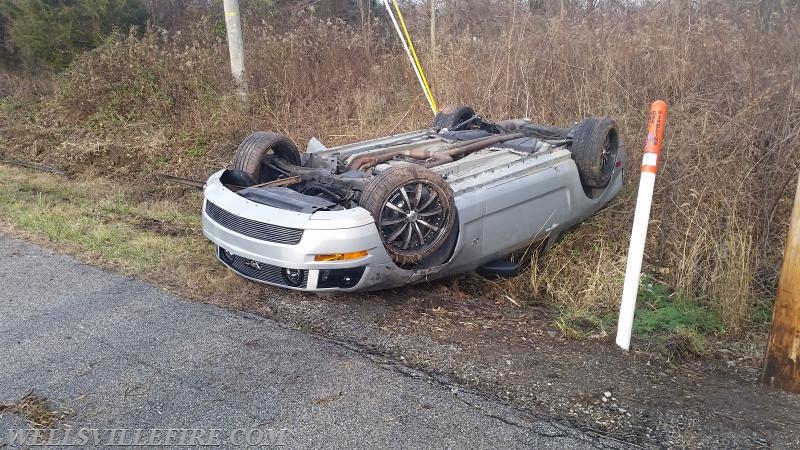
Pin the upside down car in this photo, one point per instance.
(457, 197)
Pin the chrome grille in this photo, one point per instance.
(264, 272)
(252, 228)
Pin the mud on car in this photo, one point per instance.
(456, 197)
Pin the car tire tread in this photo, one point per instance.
(587, 150)
(255, 146)
(452, 115)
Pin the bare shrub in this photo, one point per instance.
(164, 102)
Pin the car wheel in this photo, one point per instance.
(237, 178)
(258, 148)
(414, 210)
(451, 116)
(594, 147)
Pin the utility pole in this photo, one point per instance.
(782, 364)
(233, 23)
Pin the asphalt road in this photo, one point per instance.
(108, 352)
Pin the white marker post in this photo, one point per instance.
(641, 218)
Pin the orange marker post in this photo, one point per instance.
(641, 218)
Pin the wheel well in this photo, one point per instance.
(444, 253)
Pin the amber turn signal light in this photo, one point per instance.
(341, 256)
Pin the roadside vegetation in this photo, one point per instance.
(50, 33)
(94, 219)
(158, 98)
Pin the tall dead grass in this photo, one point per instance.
(164, 102)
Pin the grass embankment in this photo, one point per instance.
(157, 241)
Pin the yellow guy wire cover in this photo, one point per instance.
(416, 59)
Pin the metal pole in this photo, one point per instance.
(782, 364)
(641, 218)
(233, 23)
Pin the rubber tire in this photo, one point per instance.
(452, 115)
(587, 150)
(237, 178)
(256, 146)
(386, 183)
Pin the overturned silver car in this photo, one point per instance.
(458, 197)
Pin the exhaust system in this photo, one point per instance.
(432, 157)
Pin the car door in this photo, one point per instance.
(522, 209)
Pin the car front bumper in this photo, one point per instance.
(278, 247)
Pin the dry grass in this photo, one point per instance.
(685, 343)
(582, 272)
(163, 102)
(35, 410)
(578, 324)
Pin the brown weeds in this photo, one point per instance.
(163, 102)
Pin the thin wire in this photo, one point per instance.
(416, 58)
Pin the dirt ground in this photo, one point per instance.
(514, 353)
